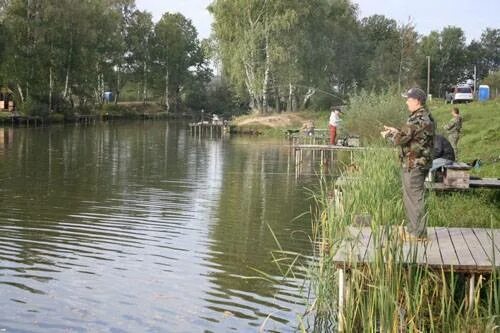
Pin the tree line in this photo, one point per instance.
(268, 55)
(58, 55)
(292, 54)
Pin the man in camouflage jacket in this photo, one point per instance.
(416, 140)
(454, 127)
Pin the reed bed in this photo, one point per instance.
(388, 296)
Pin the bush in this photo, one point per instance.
(33, 107)
(493, 80)
(369, 111)
(62, 106)
(56, 118)
(119, 110)
(84, 109)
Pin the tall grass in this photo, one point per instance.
(387, 296)
(369, 111)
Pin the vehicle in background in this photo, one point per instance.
(459, 94)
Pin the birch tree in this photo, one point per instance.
(176, 54)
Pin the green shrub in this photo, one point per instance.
(118, 110)
(369, 111)
(33, 107)
(56, 118)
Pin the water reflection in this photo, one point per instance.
(6, 139)
(139, 227)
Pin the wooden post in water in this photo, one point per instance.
(340, 317)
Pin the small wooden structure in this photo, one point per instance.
(325, 152)
(86, 118)
(456, 177)
(6, 99)
(487, 183)
(318, 137)
(473, 251)
(208, 129)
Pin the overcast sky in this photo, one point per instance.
(472, 16)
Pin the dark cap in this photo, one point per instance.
(335, 108)
(417, 94)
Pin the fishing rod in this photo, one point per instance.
(337, 95)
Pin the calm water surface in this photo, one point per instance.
(139, 227)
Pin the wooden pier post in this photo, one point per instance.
(472, 284)
(340, 317)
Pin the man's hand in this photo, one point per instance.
(391, 129)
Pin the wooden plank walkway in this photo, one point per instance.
(490, 183)
(328, 147)
(471, 251)
(485, 183)
(475, 251)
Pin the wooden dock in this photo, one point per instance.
(473, 251)
(324, 152)
(86, 118)
(209, 130)
(488, 183)
(328, 148)
(320, 137)
(28, 121)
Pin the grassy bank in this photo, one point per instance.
(480, 140)
(123, 110)
(481, 133)
(368, 112)
(387, 296)
(275, 125)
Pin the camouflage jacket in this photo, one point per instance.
(454, 126)
(416, 139)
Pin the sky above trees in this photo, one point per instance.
(427, 15)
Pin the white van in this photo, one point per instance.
(462, 94)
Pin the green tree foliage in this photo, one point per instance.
(139, 39)
(271, 54)
(448, 55)
(283, 55)
(60, 48)
(485, 54)
(380, 37)
(345, 41)
(384, 53)
(493, 81)
(177, 57)
(59, 53)
(490, 41)
(278, 52)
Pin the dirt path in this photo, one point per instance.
(273, 121)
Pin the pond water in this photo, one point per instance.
(139, 227)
